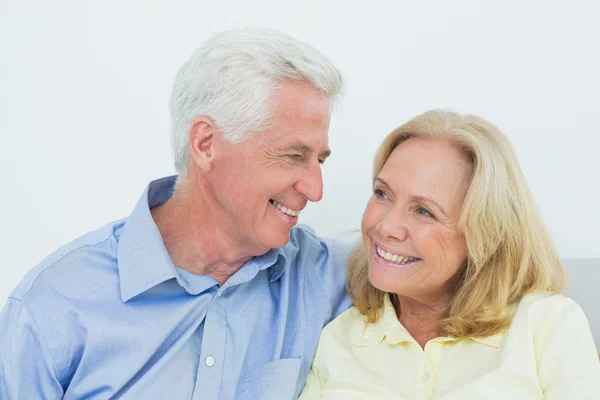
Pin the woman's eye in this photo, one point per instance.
(424, 212)
(379, 193)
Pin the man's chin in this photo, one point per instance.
(280, 239)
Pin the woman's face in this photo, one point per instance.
(409, 227)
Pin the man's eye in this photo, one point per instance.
(295, 157)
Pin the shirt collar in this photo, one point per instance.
(389, 328)
(386, 327)
(277, 269)
(492, 341)
(270, 260)
(143, 259)
(275, 260)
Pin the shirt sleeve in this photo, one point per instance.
(568, 365)
(27, 370)
(333, 274)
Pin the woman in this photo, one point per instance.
(456, 281)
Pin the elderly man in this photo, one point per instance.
(206, 291)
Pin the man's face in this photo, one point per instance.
(262, 184)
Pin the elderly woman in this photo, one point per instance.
(456, 281)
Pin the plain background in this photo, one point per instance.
(84, 91)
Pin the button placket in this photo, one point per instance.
(426, 381)
(208, 379)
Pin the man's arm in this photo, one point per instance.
(27, 369)
(333, 274)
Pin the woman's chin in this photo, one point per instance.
(382, 281)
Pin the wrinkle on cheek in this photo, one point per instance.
(440, 239)
(447, 241)
(269, 159)
(270, 163)
(443, 259)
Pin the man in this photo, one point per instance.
(206, 291)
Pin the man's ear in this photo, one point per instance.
(202, 139)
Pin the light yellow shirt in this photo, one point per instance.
(546, 353)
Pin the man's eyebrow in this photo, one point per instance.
(304, 148)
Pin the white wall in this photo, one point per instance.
(84, 89)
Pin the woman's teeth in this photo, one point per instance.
(284, 209)
(395, 258)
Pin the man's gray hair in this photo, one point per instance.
(231, 77)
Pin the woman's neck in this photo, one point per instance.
(421, 317)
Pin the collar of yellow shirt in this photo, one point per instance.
(389, 328)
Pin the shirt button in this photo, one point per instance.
(425, 377)
(209, 361)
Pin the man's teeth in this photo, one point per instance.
(285, 210)
(395, 258)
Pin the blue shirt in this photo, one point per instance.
(110, 316)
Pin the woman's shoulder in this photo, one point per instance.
(540, 310)
(349, 318)
(562, 343)
(348, 326)
(541, 302)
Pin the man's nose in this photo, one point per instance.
(310, 185)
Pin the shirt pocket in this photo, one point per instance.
(275, 380)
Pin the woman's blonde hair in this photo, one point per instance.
(509, 250)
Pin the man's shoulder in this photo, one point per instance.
(321, 261)
(71, 260)
(303, 239)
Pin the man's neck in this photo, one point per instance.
(195, 238)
